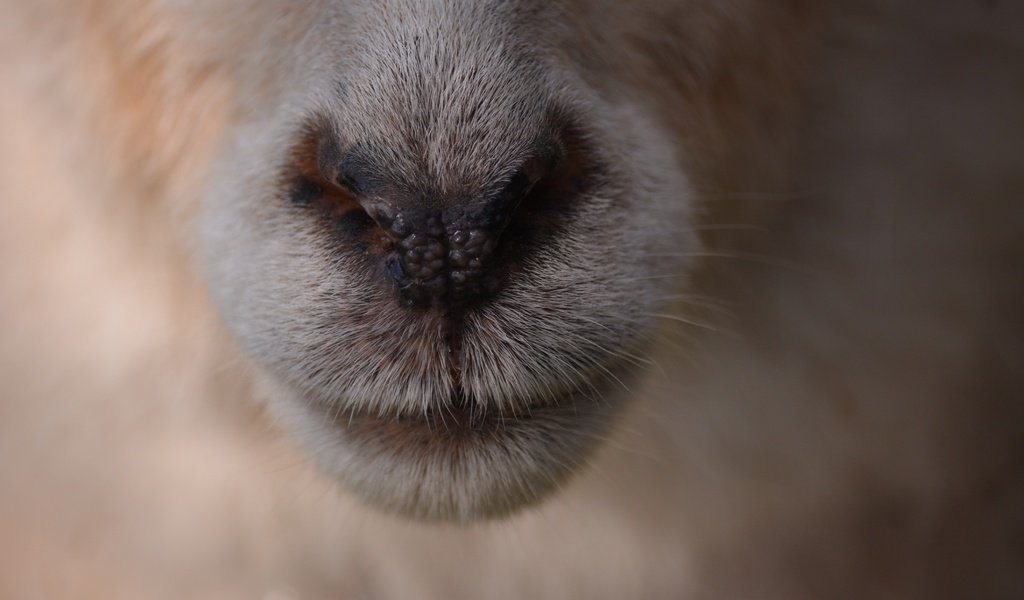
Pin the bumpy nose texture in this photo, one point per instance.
(469, 254)
(438, 261)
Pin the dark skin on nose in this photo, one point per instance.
(446, 257)
(443, 250)
(438, 262)
(436, 258)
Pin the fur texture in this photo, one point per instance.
(770, 347)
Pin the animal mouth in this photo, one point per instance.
(461, 461)
(451, 429)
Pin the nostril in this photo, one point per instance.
(317, 180)
(343, 169)
(519, 185)
(399, 225)
(498, 210)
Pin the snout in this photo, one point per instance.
(446, 270)
(450, 399)
(443, 317)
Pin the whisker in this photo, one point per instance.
(699, 302)
(749, 195)
(679, 319)
(628, 356)
(763, 259)
(730, 227)
(598, 364)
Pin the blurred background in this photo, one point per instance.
(858, 433)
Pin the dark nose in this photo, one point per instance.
(447, 255)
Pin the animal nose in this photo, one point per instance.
(448, 255)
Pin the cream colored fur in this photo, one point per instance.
(830, 409)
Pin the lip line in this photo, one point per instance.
(598, 389)
(455, 418)
(575, 403)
